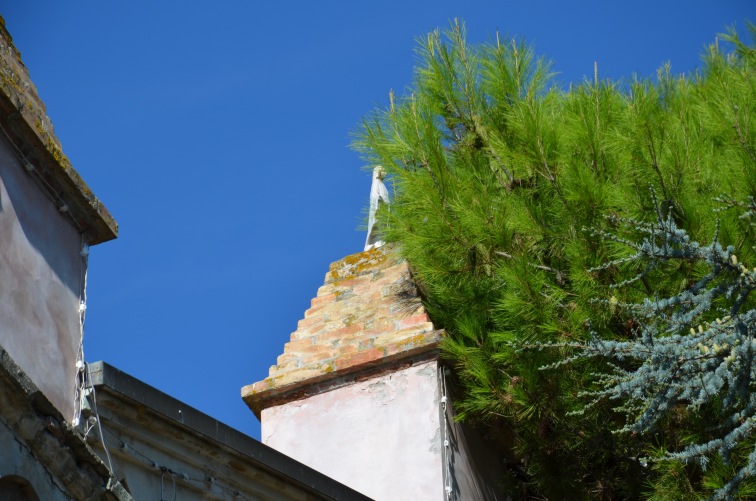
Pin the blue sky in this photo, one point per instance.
(217, 134)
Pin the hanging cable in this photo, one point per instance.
(447, 461)
(99, 421)
(81, 376)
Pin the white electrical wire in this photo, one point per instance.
(446, 444)
(99, 421)
(80, 378)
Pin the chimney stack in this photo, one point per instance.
(357, 392)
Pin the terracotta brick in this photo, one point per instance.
(359, 358)
(325, 354)
(303, 374)
(325, 350)
(309, 322)
(395, 273)
(300, 334)
(365, 343)
(343, 310)
(374, 297)
(379, 325)
(347, 349)
(416, 319)
(347, 331)
(345, 295)
(258, 387)
(321, 300)
(297, 345)
(366, 338)
(314, 353)
(294, 336)
(286, 367)
(348, 283)
(431, 338)
(401, 309)
(399, 337)
(366, 288)
(314, 331)
(285, 358)
(360, 340)
(395, 337)
(312, 312)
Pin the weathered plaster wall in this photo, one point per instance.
(40, 280)
(380, 436)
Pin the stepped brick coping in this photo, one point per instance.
(366, 319)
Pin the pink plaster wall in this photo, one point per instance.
(381, 436)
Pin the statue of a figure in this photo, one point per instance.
(378, 195)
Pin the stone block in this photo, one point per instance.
(29, 427)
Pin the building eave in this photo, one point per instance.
(24, 121)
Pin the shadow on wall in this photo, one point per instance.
(475, 470)
(41, 272)
(47, 230)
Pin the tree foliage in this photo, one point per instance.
(682, 358)
(506, 186)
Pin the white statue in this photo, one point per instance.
(378, 195)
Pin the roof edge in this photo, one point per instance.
(105, 377)
(23, 120)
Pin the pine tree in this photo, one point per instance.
(498, 172)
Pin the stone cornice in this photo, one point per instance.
(24, 121)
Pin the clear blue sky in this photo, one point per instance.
(217, 134)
